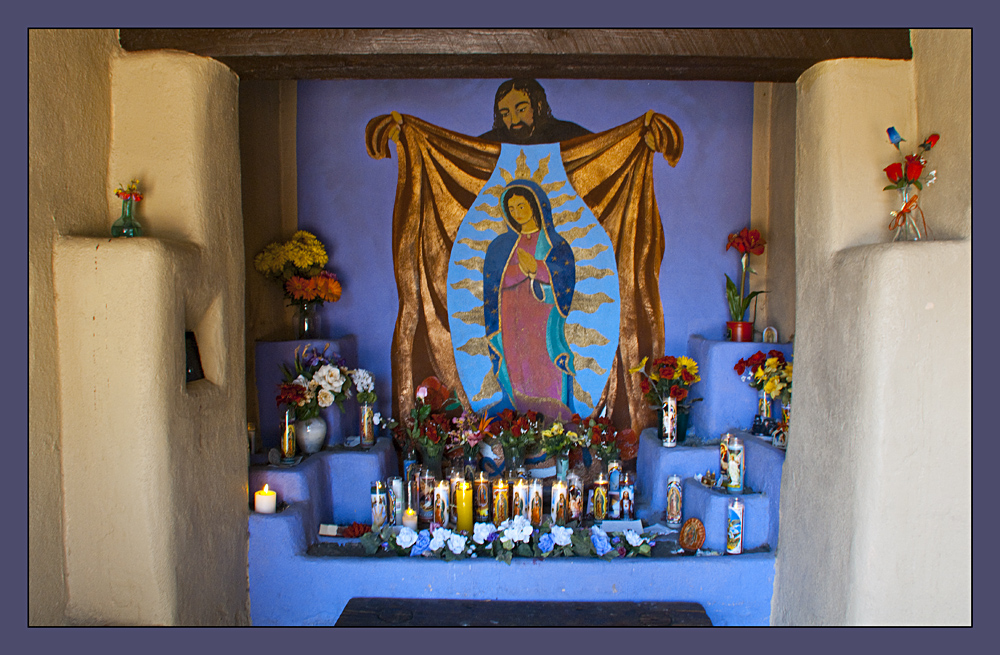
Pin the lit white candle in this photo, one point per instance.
(265, 501)
(410, 518)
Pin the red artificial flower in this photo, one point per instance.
(667, 372)
(677, 393)
(777, 353)
(740, 366)
(894, 172)
(747, 241)
(644, 385)
(666, 360)
(930, 142)
(914, 167)
(687, 375)
(290, 394)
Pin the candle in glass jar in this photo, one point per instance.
(398, 500)
(574, 490)
(600, 498)
(410, 514)
(628, 496)
(441, 498)
(380, 505)
(463, 499)
(265, 501)
(453, 480)
(560, 502)
(519, 499)
(501, 502)
(481, 497)
(535, 503)
(426, 509)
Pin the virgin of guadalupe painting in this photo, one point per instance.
(449, 219)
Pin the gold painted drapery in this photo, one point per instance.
(440, 174)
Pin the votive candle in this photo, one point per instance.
(535, 503)
(453, 480)
(574, 489)
(519, 500)
(398, 500)
(600, 498)
(265, 501)
(441, 494)
(410, 515)
(560, 502)
(501, 502)
(481, 497)
(463, 499)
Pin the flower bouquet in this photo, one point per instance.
(556, 440)
(746, 242)
(298, 265)
(428, 427)
(517, 434)
(666, 386)
(902, 176)
(752, 371)
(315, 382)
(600, 436)
(467, 434)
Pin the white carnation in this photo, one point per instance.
(633, 539)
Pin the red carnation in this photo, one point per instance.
(678, 393)
(687, 376)
(667, 372)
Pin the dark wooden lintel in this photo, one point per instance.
(750, 55)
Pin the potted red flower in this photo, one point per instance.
(746, 242)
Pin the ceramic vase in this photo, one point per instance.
(310, 435)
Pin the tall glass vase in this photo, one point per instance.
(906, 226)
(307, 320)
(431, 462)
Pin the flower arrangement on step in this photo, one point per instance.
(513, 538)
(903, 175)
(468, 432)
(517, 434)
(314, 382)
(298, 264)
(599, 435)
(753, 371)
(428, 425)
(747, 242)
(666, 385)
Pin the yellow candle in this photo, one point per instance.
(265, 501)
(410, 518)
(463, 498)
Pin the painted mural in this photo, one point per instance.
(507, 326)
(533, 292)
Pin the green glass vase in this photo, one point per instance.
(127, 225)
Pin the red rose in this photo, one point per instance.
(930, 142)
(677, 393)
(894, 172)
(914, 167)
(644, 385)
(777, 353)
(687, 376)
(667, 372)
(741, 366)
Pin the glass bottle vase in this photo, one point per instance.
(906, 227)
(127, 225)
(307, 320)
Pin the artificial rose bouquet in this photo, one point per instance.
(902, 175)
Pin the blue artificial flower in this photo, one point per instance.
(423, 541)
(600, 541)
(546, 542)
(894, 137)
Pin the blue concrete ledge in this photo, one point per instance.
(305, 590)
(334, 485)
(729, 403)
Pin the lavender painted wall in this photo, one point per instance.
(346, 198)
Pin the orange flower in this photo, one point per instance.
(299, 288)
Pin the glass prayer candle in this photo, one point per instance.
(288, 436)
(442, 496)
(427, 483)
(397, 499)
(560, 502)
(380, 505)
(481, 498)
(519, 500)
(736, 466)
(600, 498)
(453, 481)
(675, 502)
(501, 502)
(628, 496)
(614, 504)
(410, 514)
(463, 498)
(574, 489)
(614, 475)
(535, 502)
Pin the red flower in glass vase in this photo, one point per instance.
(914, 167)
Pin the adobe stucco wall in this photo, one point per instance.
(69, 104)
(150, 524)
(880, 443)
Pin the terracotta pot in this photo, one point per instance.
(740, 330)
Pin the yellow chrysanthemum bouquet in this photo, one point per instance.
(776, 376)
(298, 265)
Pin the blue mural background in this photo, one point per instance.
(347, 198)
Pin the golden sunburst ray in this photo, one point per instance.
(589, 302)
(490, 387)
(581, 336)
(550, 187)
(496, 189)
(542, 170)
(475, 316)
(507, 177)
(472, 286)
(480, 244)
(582, 395)
(490, 210)
(583, 254)
(588, 272)
(575, 233)
(487, 225)
(583, 362)
(474, 264)
(475, 347)
(562, 218)
(561, 200)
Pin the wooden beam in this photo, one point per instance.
(750, 55)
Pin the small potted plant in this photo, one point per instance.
(747, 242)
